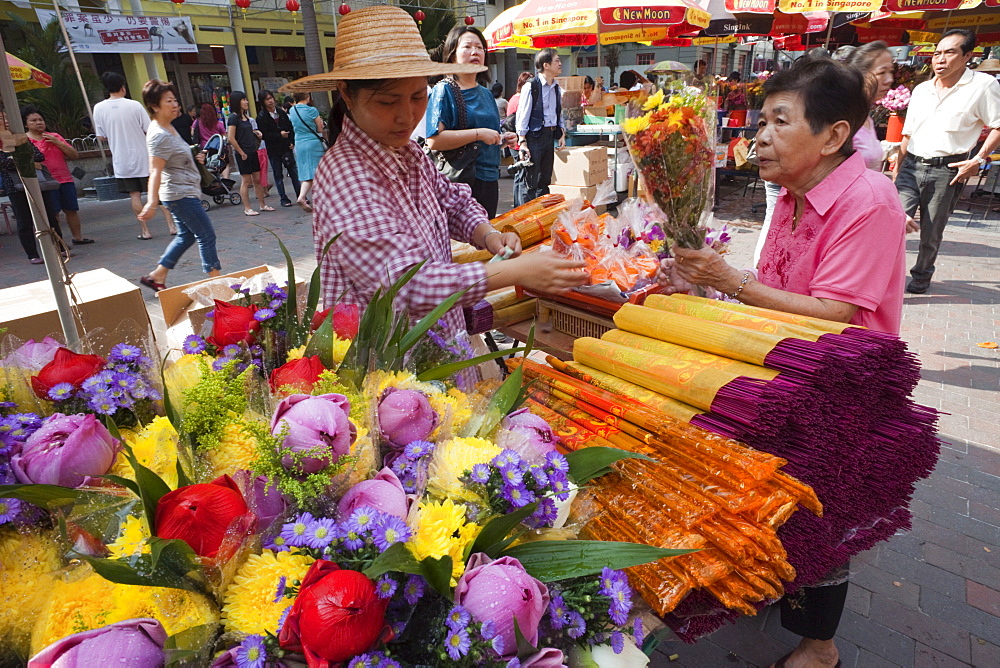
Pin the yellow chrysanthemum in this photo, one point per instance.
(28, 562)
(296, 353)
(155, 446)
(400, 380)
(183, 375)
(82, 600)
(249, 605)
(16, 385)
(237, 449)
(439, 529)
(636, 125)
(653, 101)
(131, 540)
(453, 410)
(451, 459)
(339, 349)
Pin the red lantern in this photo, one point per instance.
(344, 9)
(419, 16)
(469, 20)
(243, 4)
(292, 5)
(177, 2)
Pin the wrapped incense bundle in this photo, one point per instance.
(503, 298)
(536, 228)
(518, 312)
(527, 210)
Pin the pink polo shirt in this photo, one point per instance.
(849, 246)
(55, 159)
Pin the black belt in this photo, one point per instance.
(551, 127)
(943, 161)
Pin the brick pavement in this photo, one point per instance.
(930, 597)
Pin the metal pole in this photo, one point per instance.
(829, 29)
(47, 244)
(79, 78)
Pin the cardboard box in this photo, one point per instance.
(578, 192)
(106, 301)
(580, 166)
(570, 83)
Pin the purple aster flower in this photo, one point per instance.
(488, 630)
(210, 315)
(9, 508)
(418, 449)
(540, 476)
(557, 462)
(546, 513)
(618, 642)
(413, 591)
(60, 392)
(458, 618)
(8, 404)
(275, 304)
(362, 661)
(284, 616)
(389, 530)
(296, 533)
(559, 488)
(637, 631)
(457, 643)
(193, 344)
(513, 663)
(232, 350)
(251, 653)
(320, 533)
(353, 540)
(577, 624)
(94, 383)
(511, 474)
(264, 314)
(480, 473)
(609, 578)
(124, 352)
(103, 403)
(518, 496)
(621, 603)
(508, 456)
(220, 363)
(557, 611)
(385, 587)
(389, 663)
(280, 591)
(124, 380)
(235, 287)
(362, 520)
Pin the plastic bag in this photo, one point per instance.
(575, 233)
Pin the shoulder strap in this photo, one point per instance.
(461, 112)
(309, 127)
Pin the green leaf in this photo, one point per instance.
(46, 496)
(151, 487)
(111, 427)
(176, 553)
(321, 342)
(586, 464)
(437, 572)
(501, 403)
(190, 642)
(524, 648)
(492, 535)
(123, 481)
(315, 285)
(168, 404)
(418, 330)
(396, 558)
(450, 369)
(550, 560)
(182, 478)
(115, 570)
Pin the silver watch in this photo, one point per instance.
(982, 161)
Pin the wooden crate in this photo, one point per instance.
(572, 321)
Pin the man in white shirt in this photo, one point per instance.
(123, 123)
(945, 117)
(539, 123)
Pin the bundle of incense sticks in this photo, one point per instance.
(703, 491)
(830, 398)
(532, 222)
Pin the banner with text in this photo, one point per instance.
(115, 33)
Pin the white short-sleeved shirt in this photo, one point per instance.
(124, 123)
(951, 124)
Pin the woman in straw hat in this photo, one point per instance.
(383, 195)
(466, 45)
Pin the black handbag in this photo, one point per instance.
(458, 164)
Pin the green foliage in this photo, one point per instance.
(329, 383)
(46, 496)
(493, 539)
(219, 398)
(550, 560)
(612, 57)
(170, 563)
(586, 464)
(440, 19)
(62, 106)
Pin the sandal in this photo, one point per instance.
(82, 242)
(267, 208)
(250, 212)
(305, 206)
(151, 284)
(142, 238)
(36, 260)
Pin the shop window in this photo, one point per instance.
(645, 58)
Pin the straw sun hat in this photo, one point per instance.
(990, 65)
(378, 42)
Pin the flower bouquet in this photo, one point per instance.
(671, 138)
(896, 100)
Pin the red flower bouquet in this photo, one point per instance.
(233, 324)
(65, 367)
(336, 615)
(300, 374)
(202, 515)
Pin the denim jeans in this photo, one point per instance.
(193, 224)
(521, 187)
(279, 176)
(771, 191)
(927, 188)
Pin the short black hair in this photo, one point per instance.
(968, 38)
(830, 92)
(545, 57)
(28, 110)
(236, 103)
(113, 82)
(588, 81)
(497, 89)
(263, 95)
(628, 79)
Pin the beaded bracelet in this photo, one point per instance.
(487, 236)
(743, 284)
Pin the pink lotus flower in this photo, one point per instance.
(66, 450)
(405, 416)
(134, 642)
(32, 355)
(384, 492)
(548, 657)
(528, 435)
(499, 591)
(316, 425)
(262, 497)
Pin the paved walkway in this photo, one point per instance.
(927, 598)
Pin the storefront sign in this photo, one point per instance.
(746, 24)
(711, 41)
(113, 33)
(921, 5)
(751, 6)
(799, 6)
(972, 21)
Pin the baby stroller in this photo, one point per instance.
(216, 159)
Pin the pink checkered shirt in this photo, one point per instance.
(392, 214)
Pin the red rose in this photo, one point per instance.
(300, 374)
(233, 324)
(65, 367)
(336, 615)
(201, 515)
(346, 318)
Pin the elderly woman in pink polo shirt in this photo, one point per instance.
(835, 250)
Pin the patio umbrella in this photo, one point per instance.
(26, 76)
(500, 32)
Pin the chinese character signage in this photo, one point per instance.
(114, 33)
